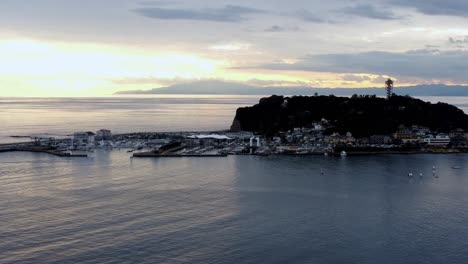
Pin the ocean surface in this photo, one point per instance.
(163, 113)
(239, 209)
(63, 116)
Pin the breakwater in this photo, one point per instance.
(28, 147)
(156, 155)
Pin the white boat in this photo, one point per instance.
(343, 154)
(456, 167)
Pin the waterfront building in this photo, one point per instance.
(458, 141)
(380, 140)
(242, 135)
(458, 137)
(256, 139)
(406, 136)
(336, 138)
(276, 140)
(363, 141)
(207, 139)
(438, 140)
(317, 127)
(420, 130)
(80, 138)
(103, 134)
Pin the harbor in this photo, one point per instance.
(155, 155)
(29, 147)
(311, 141)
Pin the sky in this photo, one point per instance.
(98, 47)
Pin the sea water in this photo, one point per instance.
(238, 209)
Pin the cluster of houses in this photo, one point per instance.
(313, 139)
(414, 135)
(76, 140)
(423, 135)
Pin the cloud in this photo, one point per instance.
(154, 81)
(308, 16)
(431, 64)
(228, 13)
(276, 28)
(281, 83)
(356, 78)
(157, 3)
(370, 11)
(455, 40)
(360, 78)
(437, 7)
(231, 46)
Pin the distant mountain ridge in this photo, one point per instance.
(219, 87)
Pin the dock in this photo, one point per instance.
(24, 147)
(156, 155)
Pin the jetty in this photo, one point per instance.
(29, 147)
(171, 150)
(157, 155)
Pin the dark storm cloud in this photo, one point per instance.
(228, 13)
(370, 11)
(426, 63)
(437, 7)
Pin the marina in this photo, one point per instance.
(154, 155)
(28, 147)
(214, 144)
(48, 151)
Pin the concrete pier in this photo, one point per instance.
(25, 147)
(155, 155)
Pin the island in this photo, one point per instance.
(357, 124)
(295, 125)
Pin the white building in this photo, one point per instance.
(208, 139)
(103, 134)
(80, 138)
(317, 127)
(420, 130)
(439, 140)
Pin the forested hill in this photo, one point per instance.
(360, 115)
